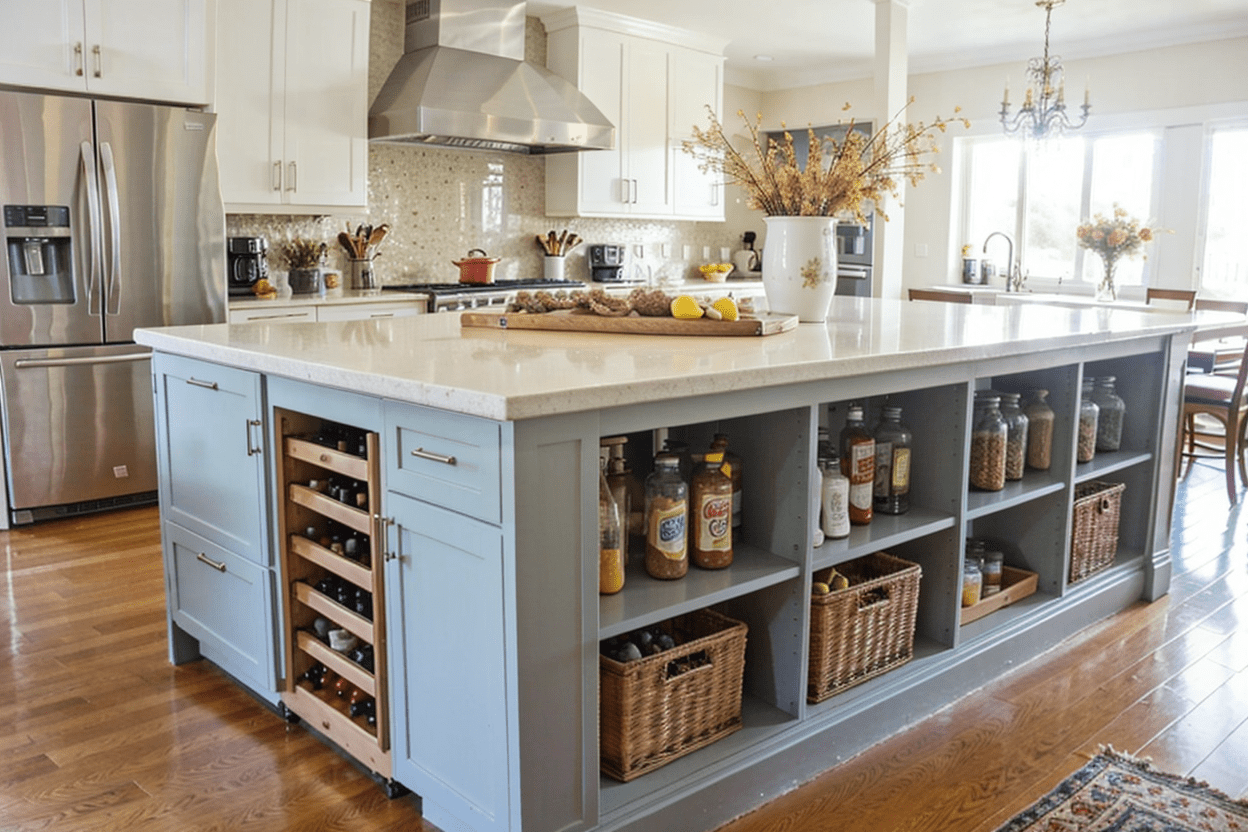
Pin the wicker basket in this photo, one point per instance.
(652, 711)
(1094, 533)
(865, 630)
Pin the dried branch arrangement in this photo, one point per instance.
(838, 177)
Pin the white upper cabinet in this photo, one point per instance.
(292, 104)
(155, 50)
(653, 83)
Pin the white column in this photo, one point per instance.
(890, 68)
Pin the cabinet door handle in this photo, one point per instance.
(217, 565)
(78, 64)
(253, 423)
(383, 534)
(292, 177)
(625, 190)
(634, 191)
(421, 453)
(99, 66)
(277, 176)
(207, 385)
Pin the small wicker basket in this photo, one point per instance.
(1094, 532)
(653, 710)
(860, 632)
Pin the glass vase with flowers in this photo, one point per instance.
(1113, 238)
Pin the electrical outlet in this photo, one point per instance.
(920, 249)
(665, 250)
(639, 251)
(688, 252)
(706, 254)
(725, 254)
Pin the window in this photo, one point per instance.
(1039, 193)
(1225, 269)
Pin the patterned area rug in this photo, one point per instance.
(1114, 793)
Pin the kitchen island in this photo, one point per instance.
(480, 449)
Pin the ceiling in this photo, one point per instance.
(820, 41)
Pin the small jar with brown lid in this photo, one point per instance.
(711, 514)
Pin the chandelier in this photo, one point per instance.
(1043, 113)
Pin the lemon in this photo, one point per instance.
(686, 307)
(819, 588)
(728, 308)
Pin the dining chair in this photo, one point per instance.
(1218, 305)
(1187, 296)
(1221, 397)
(1221, 355)
(944, 297)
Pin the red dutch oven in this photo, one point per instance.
(476, 269)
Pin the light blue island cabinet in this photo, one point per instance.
(483, 512)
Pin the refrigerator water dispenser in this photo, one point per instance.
(38, 241)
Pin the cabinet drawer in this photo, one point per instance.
(447, 459)
(224, 601)
(273, 315)
(369, 311)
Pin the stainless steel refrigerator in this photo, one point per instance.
(112, 220)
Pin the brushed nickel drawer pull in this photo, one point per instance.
(431, 456)
(217, 565)
(252, 423)
(78, 63)
(99, 67)
(207, 385)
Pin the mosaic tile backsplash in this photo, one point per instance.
(441, 203)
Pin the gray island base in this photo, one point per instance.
(479, 469)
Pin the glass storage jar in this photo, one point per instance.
(1089, 415)
(993, 567)
(1039, 430)
(711, 514)
(972, 584)
(834, 503)
(1016, 423)
(611, 560)
(988, 439)
(892, 463)
(667, 518)
(1113, 412)
(858, 465)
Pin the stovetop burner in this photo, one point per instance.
(496, 286)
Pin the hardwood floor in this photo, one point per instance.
(101, 733)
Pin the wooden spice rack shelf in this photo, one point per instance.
(305, 563)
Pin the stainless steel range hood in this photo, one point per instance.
(463, 82)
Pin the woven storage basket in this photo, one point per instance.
(865, 630)
(652, 711)
(1094, 532)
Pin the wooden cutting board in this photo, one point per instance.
(575, 321)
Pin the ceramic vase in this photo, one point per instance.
(799, 266)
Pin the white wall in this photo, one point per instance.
(1180, 88)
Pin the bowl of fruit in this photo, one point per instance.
(715, 272)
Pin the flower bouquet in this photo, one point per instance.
(1112, 238)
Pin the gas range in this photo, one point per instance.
(449, 297)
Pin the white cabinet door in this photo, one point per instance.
(697, 194)
(148, 49)
(646, 116)
(153, 49)
(292, 126)
(601, 181)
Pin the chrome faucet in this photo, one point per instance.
(1013, 275)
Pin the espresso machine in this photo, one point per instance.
(248, 263)
(606, 263)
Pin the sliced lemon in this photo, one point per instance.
(728, 308)
(686, 307)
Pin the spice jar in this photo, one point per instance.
(1089, 416)
(667, 514)
(711, 504)
(992, 567)
(988, 440)
(1113, 410)
(892, 464)
(732, 467)
(972, 584)
(858, 465)
(610, 538)
(1039, 430)
(834, 501)
(1016, 436)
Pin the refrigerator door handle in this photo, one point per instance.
(93, 218)
(113, 296)
(34, 363)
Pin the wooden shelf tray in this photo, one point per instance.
(356, 739)
(573, 321)
(342, 567)
(350, 620)
(337, 662)
(1016, 584)
(326, 506)
(333, 460)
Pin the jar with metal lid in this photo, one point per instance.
(892, 463)
(834, 502)
(1089, 416)
(972, 584)
(667, 519)
(1016, 424)
(711, 514)
(1039, 430)
(611, 557)
(989, 434)
(1113, 411)
(858, 465)
(992, 567)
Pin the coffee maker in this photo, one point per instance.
(248, 263)
(606, 263)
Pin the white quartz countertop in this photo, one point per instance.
(513, 374)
